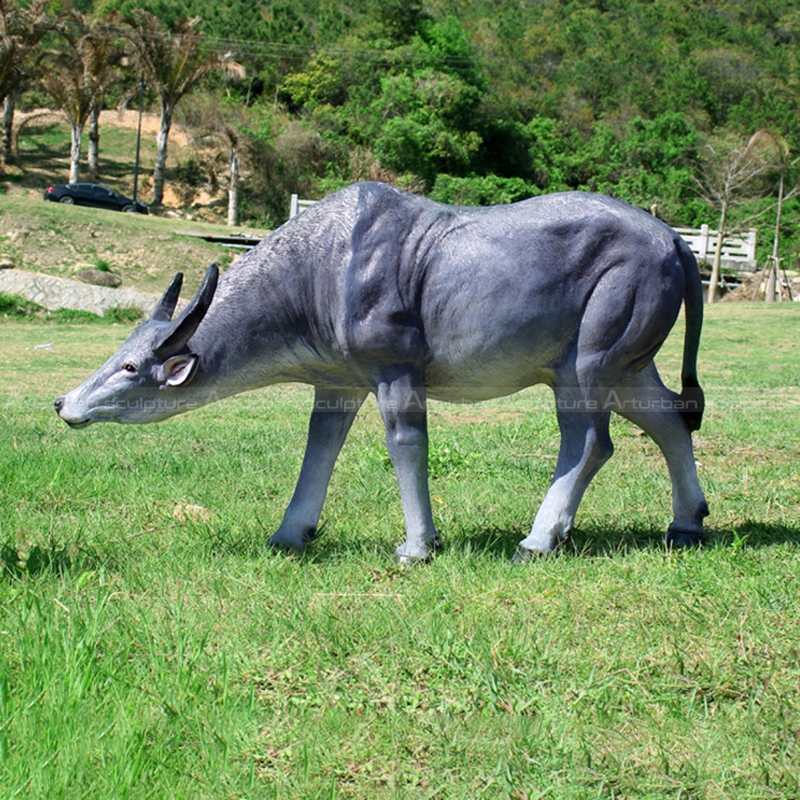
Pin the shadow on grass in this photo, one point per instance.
(43, 560)
(493, 542)
(239, 544)
(43, 159)
(595, 542)
(327, 547)
(760, 534)
(584, 542)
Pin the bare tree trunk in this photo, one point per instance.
(9, 106)
(74, 153)
(161, 153)
(772, 282)
(772, 279)
(715, 267)
(94, 141)
(233, 191)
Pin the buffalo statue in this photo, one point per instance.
(374, 290)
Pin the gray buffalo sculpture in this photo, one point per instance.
(377, 290)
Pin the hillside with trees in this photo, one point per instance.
(654, 101)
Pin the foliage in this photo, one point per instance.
(424, 124)
(117, 315)
(173, 61)
(14, 307)
(619, 96)
(21, 29)
(481, 191)
(78, 74)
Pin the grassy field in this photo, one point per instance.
(145, 251)
(150, 647)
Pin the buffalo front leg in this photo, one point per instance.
(402, 405)
(333, 414)
(585, 447)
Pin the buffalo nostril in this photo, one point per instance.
(59, 404)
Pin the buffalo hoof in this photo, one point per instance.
(524, 555)
(407, 555)
(292, 542)
(543, 546)
(676, 538)
(405, 560)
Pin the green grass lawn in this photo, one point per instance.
(150, 647)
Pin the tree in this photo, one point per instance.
(781, 150)
(106, 54)
(66, 79)
(21, 30)
(172, 62)
(78, 77)
(411, 96)
(231, 139)
(87, 70)
(426, 124)
(724, 181)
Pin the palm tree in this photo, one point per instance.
(78, 77)
(104, 57)
(231, 141)
(21, 29)
(66, 80)
(173, 63)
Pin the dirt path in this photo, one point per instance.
(129, 118)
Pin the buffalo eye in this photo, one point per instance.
(130, 368)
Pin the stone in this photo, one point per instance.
(6, 262)
(52, 293)
(15, 236)
(98, 277)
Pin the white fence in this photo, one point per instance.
(738, 250)
(298, 205)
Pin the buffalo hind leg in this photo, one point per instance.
(585, 447)
(667, 429)
(402, 401)
(333, 414)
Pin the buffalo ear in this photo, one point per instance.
(179, 370)
(166, 305)
(184, 327)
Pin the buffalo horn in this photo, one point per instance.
(184, 327)
(166, 305)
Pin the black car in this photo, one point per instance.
(92, 194)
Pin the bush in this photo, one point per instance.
(71, 315)
(124, 316)
(481, 191)
(13, 305)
